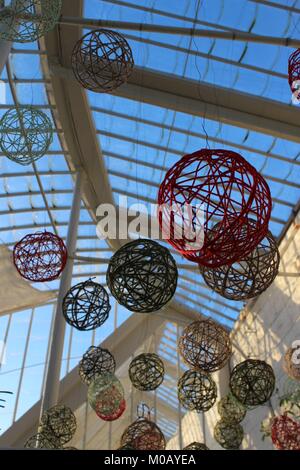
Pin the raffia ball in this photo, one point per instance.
(143, 434)
(229, 436)
(231, 410)
(285, 433)
(96, 361)
(205, 345)
(196, 391)
(59, 421)
(106, 397)
(146, 371)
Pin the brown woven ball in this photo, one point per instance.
(42, 440)
(143, 434)
(146, 371)
(197, 391)
(291, 368)
(231, 410)
(196, 446)
(60, 421)
(96, 361)
(229, 436)
(205, 345)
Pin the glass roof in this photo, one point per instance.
(139, 142)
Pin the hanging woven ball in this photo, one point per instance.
(143, 434)
(40, 256)
(248, 277)
(294, 73)
(209, 189)
(86, 306)
(252, 382)
(229, 436)
(205, 345)
(102, 61)
(28, 20)
(25, 134)
(290, 366)
(196, 446)
(96, 361)
(231, 410)
(42, 440)
(60, 421)
(146, 372)
(142, 276)
(285, 433)
(196, 391)
(106, 397)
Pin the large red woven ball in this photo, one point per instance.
(207, 204)
(285, 433)
(40, 257)
(294, 72)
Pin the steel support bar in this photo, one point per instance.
(154, 28)
(52, 382)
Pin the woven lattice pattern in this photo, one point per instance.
(290, 366)
(146, 371)
(294, 72)
(252, 382)
(143, 434)
(25, 134)
(285, 433)
(196, 446)
(86, 306)
(196, 391)
(106, 397)
(42, 440)
(205, 345)
(28, 20)
(102, 60)
(209, 189)
(40, 257)
(96, 361)
(231, 410)
(59, 421)
(249, 277)
(142, 276)
(229, 436)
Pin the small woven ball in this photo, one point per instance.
(196, 446)
(42, 440)
(40, 256)
(285, 433)
(252, 382)
(86, 306)
(96, 361)
(102, 60)
(60, 421)
(205, 345)
(229, 436)
(231, 410)
(294, 72)
(25, 134)
(106, 397)
(248, 277)
(291, 368)
(142, 276)
(28, 20)
(146, 371)
(196, 391)
(143, 434)
(209, 189)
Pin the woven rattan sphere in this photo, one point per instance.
(142, 276)
(25, 134)
(248, 277)
(102, 61)
(196, 391)
(229, 436)
(42, 440)
(205, 345)
(40, 257)
(59, 421)
(212, 188)
(96, 361)
(28, 20)
(106, 397)
(146, 371)
(231, 410)
(294, 73)
(196, 446)
(252, 382)
(285, 433)
(290, 366)
(143, 434)
(86, 306)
